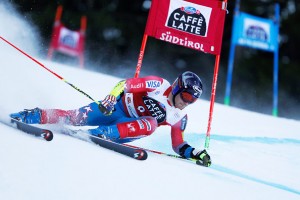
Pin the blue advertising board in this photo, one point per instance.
(255, 32)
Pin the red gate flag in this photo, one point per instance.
(67, 41)
(196, 24)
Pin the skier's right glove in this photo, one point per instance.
(108, 104)
(202, 157)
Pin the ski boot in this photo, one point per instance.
(105, 132)
(28, 116)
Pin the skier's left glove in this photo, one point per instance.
(202, 157)
(108, 104)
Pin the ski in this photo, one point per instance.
(136, 153)
(33, 130)
(133, 152)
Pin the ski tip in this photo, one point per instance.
(140, 154)
(48, 135)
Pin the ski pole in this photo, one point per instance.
(58, 76)
(166, 154)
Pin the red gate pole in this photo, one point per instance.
(55, 31)
(82, 32)
(141, 56)
(213, 96)
(212, 100)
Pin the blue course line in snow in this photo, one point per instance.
(265, 140)
(241, 175)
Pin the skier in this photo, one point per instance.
(134, 109)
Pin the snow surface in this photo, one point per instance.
(254, 156)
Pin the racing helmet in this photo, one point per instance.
(189, 86)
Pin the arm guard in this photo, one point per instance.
(118, 89)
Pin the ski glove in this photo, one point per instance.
(108, 104)
(202, 157)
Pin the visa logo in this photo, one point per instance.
(152, 84)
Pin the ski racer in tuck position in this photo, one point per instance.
(134, 109)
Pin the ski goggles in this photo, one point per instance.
(187, 97)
